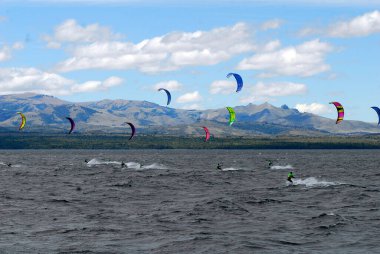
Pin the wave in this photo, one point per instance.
(11, 166)
(155, 166)
(282, 167)
(123, 184)
(96, 161)
(266, 201)
(136, 165)
(328, 221)
(313, 182)
(230, 169)
(129, 165)
(325, 215)
(133, 165)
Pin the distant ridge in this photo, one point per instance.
(47, 113)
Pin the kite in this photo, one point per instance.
(168, 94)
(340, 110)
(378, 113)
(133, 130)
(23, 120)
(232, 115)
(239, 80)
(72, 124)
(207, 134)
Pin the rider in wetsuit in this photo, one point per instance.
(219, 166)
(290, 176)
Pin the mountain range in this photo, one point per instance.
(46, 113)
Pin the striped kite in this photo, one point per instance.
(340, 110)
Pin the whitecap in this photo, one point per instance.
(96, 161)
(314, 182)
(282, 167)
(155, 166)
(133, 165)
(230, 169)
(12, 165)
(129, 165)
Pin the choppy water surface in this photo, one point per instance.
(175, 201)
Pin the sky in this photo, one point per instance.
(304, 54)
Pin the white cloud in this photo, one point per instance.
(265, 92)
(21, 80)
(271, 24)
(271, 46)
(70, 31)
(280, 89)
(53, 44)
(314, 108)
(5, 53)
(223, 87)
(308, 31)
(164, 53)
(90, 86)
(364, 25)
(172, 85)
(192, 106)
(360, 26)
(189, 97)
(112, 81)
(303, 60)
(18, 45)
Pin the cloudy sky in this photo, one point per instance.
(302, 53)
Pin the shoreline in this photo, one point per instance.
(120, 141)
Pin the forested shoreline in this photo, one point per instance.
(120, 141)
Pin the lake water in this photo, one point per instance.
(176, 201)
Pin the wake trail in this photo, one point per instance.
(282, 167)
(311, 182)
(129, 165)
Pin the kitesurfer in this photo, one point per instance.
(122, 164)
(270, 163)
(219, 166)
(290, 176)
(9, 164)
(86, 160)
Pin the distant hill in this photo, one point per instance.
(47, 113)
